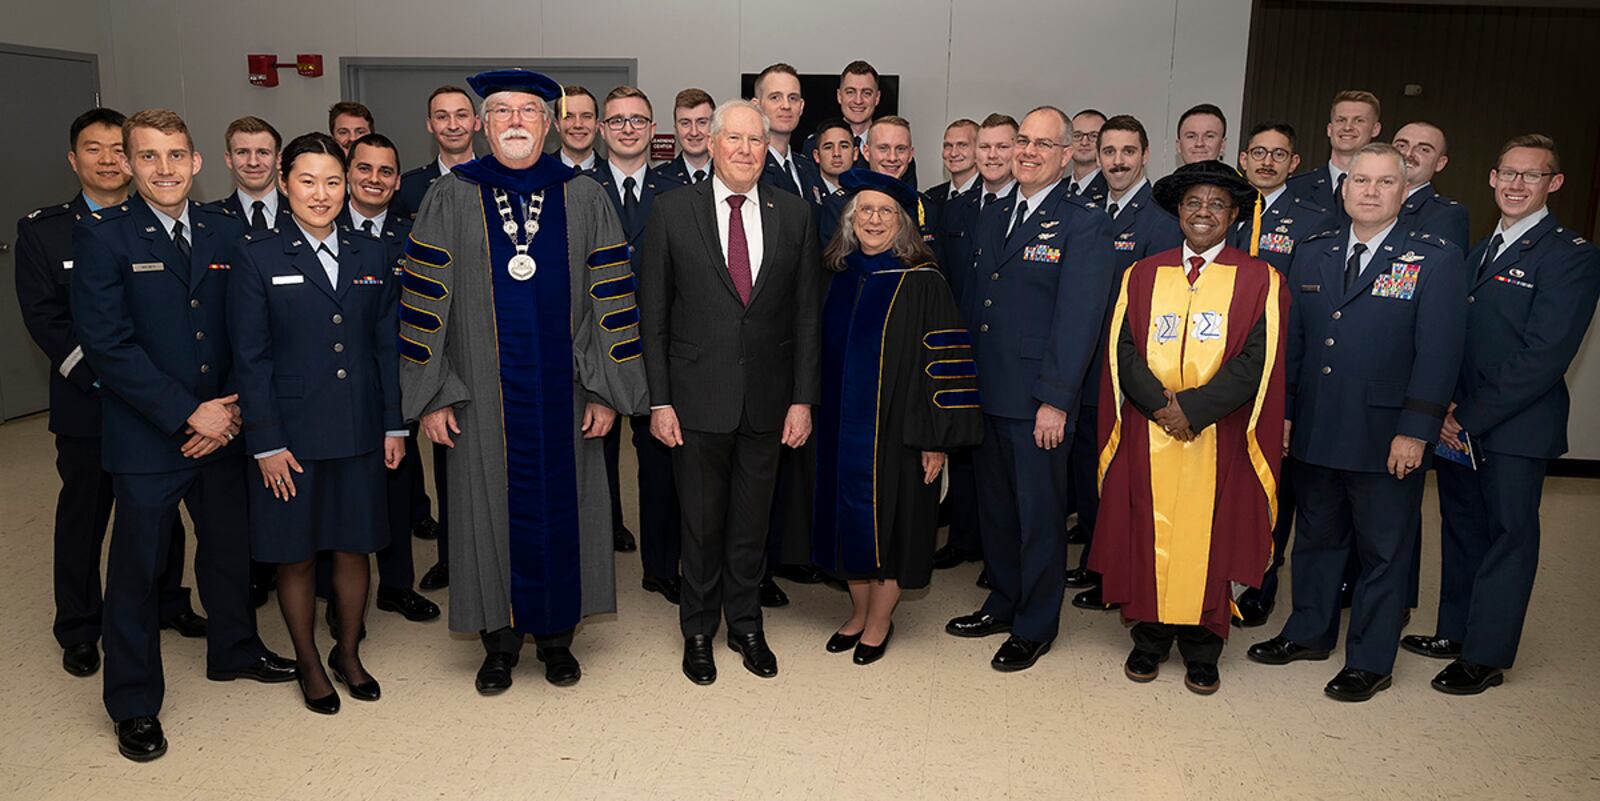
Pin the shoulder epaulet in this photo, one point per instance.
(416, 170)
(215, 207)
(45, 213)
(1565, 235)
(1308, 205)
(346, 229)
(106, 213)
(1429, 237)
(1447, 200)
(1322, 234)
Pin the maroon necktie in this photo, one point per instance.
(1195, 263)
(738, 250)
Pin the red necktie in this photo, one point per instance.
(1195, 263)
(738, 250)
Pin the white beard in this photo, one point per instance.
(515, 144)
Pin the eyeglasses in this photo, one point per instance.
(636, 122)
(1530, 177)
(504, 113)
(865, 213)
(1044, 145)
(1193, 205)
(1085, 136)
(1278, 154)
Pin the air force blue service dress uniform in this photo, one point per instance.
(1527, 311)
(660, 537)
(275, 217)
(150, 312)
(1035, 313)
(802, 178)
(83, 508)
(678, 170)
(314, 330)
(1427, 210)
(1320, 187)
(1367, 363)
(414, 184)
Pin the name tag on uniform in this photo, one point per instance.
(285, 280)
(148, 267)
(1310, 287)
(66, 264)
(1042, 253)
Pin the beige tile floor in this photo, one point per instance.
(930, 721)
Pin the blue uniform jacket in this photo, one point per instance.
(1095, 191)
(812, 188)
(44, 295)
(677, 170)
(1286, 223)
(1141, 229)
(956, 240)
(656, 181)
(1377, 361)
(1317, 188)
(316, 364)
(1037, 304)
(232, 205)
(153, 327)
(1427, 210)
(396, 229)
(1526, 316)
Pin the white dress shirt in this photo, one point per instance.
(1520, 229)
(1210, 255)
(1033, 201)
(638, 179)
(749, 214)
(269, 206)
(1372, 245)
(1083, 183)
(183, 217)
(585, 165)
(956, 191)
(357, 218)
(1122, 202)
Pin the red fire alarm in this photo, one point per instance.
(264, 67)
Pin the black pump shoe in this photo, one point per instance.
(326, 705)
(839, 643)
(867, 654)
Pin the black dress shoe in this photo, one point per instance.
(333, 623)
(1252, 612)
(269, 669)
(437, 577)
(258, 593)
(773, 596)
(1467, 678)
(698, 663)
(950, 556)
(1018, 653)
(1436, 647)
(140, 739)
(799, 574)
(1202, 678)
(1356, 685)
(365, 691)
(758, 658)
(1080, 578)
(622, 540)
(82, 659)
(1282, 651)
(326, 705)
(867, 654)
(561, 668)
(670, 588)
(1093, 600)
(425, 529)
(977, 624)
(1077, 535)
(187, 624)
(1143, 666)
(983, 580)
(839, 643)
(494, 675)
(407, 602)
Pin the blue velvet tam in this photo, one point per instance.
(857, 179)
(487, 83)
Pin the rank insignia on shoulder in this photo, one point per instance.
(248, 237)
(1409, 256)
(1578, 240)
(34, 213)
(1042, 253)
(96, 215)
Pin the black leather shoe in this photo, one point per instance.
(425, 529)
(950, 556)
(1202, 678)
(333, 623)
(365, 691)
(1252, 612)
(494, 675)
(1143, 666)
(269, 669)
(773, 596)
(799, 574)
(983, 580)
(1077, 535)
(670, 588)
(977, 624)
(1356, 685)
(1466, 678)
(867, 654)
(326, 705)
(1282, 651)
(1018, 653)
(758, 658)
(698, 663)
(839, 643)
(1436, 647)
(561, 668)
(1093, 600)
(622, 540)
(407, 602)
(187, 624)
(82, 659)
(1080, 578)
(140, 739)
(437, 577)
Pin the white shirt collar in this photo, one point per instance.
(781, 157)
(1005, 189)
(269, 204)
(1523, 226)
(357, 218)
(444, 169)
(1210, 255)
(1270, 198)
(720, 192)
(690, 167)
(1083, 183)
(183, 217)
(1372, 244)
(586, 164)
(1122, 202)
(965, 187)
(1415, 189)
(638, 178)
(829, 185)
(1333, 174)
(1038, 197)
(332, 240)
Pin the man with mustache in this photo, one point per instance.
(519, 344)
(691, 124)
(1139, 227)
(1267, 161)
(1352, 124)
(1424, 146)
(580, 120)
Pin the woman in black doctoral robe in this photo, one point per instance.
(899, 389)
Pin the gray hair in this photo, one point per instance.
(483, 108)
(1066, 121)
(719, 117)
(1382, 149)
(908, 246)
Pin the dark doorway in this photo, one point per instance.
(822, 98)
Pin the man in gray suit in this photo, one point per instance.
(729, 282)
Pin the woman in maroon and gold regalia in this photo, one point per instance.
(1189, 462)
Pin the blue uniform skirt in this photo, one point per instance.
(339, 505)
